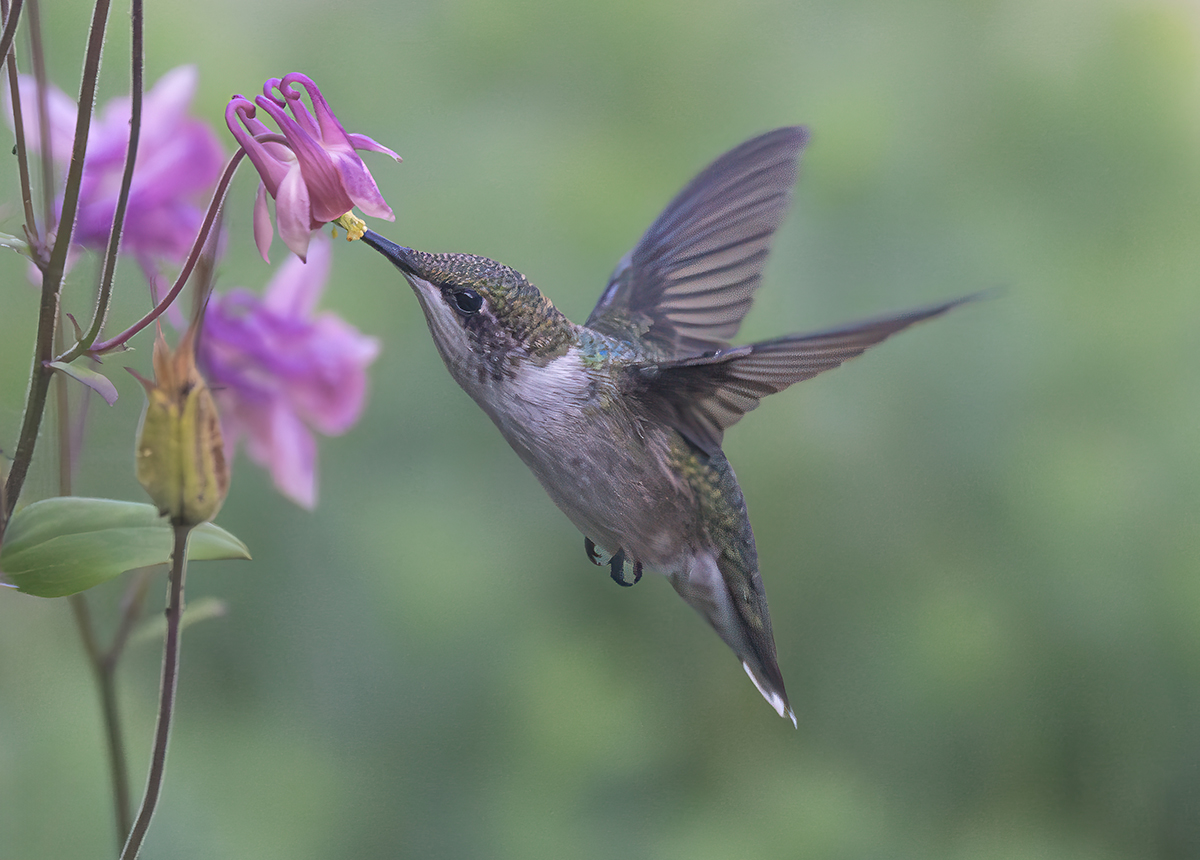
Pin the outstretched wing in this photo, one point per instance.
(702, 396)
(689, 282)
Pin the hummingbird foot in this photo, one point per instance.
(614, 562)
(617, 570)
(594, 554)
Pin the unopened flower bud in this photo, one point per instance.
(180, 452)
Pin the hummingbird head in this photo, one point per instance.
(486, 319)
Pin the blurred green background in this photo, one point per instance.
(981, 541)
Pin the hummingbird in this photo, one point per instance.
(621, 419)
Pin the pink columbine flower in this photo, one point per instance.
(311, 169)
(279, 372)
(179, 159)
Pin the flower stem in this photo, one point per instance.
(106, 680)
(38, 60)
(14, 88)
(210, 217)
(10, 27)
(135, 131)
(166, 700)
(62, 396)
(104, 670)
(103, 662)
(52, 275)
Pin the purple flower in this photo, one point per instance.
(311, 169)
(279, 372)
(178, 159)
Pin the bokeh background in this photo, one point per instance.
(980, 541)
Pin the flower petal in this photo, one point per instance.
(297, 287)
(361, 141)
(167, 103)
(326, 192)
(292, 212)
(264, 231)
(334, 398)
(293, 457)
(361, 188)
(178, 158)
(279, 373)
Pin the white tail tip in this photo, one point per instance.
(773, 699)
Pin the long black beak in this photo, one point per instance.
(401, 257)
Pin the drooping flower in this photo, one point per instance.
(179, 159)
(310, 166)
(280, 371)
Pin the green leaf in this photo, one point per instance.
(94, 380)
(67, 544)
(212, 543)
(193, 613)
(19, 245)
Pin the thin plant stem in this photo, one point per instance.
(52, 275)
(10, 26)
(87, 630)
(104, 666)
(131, 610)
(37, 58)
(14, 89)
(35, 403)
(135, 130)
(104, 670)
(118, 766)
(62, 397)
(166, 700)
(210, 217)
(103, 662)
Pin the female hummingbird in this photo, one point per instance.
(622, 418)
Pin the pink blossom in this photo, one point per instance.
(279, 371)
(179, 158)
(310, 166)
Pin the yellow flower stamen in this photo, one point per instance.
(353, 225)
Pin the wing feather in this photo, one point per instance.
(704, 395)
(688, 283)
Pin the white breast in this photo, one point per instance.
(544, 402)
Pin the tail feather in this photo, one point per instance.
(777, 699)
(746, 631)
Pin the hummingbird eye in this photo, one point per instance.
(467, 301)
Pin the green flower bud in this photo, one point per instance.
(180, 451)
